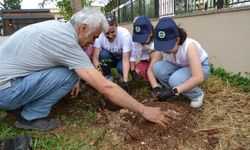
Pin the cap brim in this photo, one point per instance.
(140, 37)
(164, 45)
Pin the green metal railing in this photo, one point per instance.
(129, 9)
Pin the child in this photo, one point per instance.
(185, 63)
(142, 51)
(113, 48)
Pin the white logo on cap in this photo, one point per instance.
(137, 29)
(161, 34)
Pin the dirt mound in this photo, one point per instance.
(141, 134)
(221, 123)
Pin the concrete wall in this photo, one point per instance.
(225, 35)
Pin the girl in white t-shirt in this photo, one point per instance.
(185, 63)
(143, 51)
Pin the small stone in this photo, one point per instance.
(142, 143)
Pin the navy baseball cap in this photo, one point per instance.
(142, 28)
(165, 34)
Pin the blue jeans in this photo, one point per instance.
(171, 75)
(38, 92)
(110, 61)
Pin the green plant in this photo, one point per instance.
(6, 130)
(89, 116)
(48, 142)
(13, 4)
(226, 3)
(236, 80)
(66, 9)
(103, 63)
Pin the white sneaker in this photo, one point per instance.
(109, 77)
(197, 102)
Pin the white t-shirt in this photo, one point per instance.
(181, 55)
(121, 44)
(141, 52)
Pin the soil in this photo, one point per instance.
(138, 133)
(91, 120)
(142, 134)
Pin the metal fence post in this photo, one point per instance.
(118, 4)
(156, 13)
(174, 6)
(143, 7)
(132, 11)
(140, 7)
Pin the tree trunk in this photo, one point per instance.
(75, 5)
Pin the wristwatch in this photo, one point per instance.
(175, 91)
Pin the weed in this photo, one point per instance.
(103, 63)
(6, 130)
(242, 83)
(48, 142)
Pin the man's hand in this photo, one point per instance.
(75, 90)
(154, 114)
(125, 86)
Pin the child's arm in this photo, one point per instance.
(197, 76)
(155, 56)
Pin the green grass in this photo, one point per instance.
(236, 80)
(48, 142)
(6, 130)
(76, 131)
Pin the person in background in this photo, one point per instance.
(143, 51)
(112, 50)
(185, 63)
(42, 62)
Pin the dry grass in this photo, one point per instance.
(225, 116)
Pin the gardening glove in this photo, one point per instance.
(165, 95)
(156, 91)
(134, 75)
(125, 86)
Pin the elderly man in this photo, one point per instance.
(113, 49)
(41, 63)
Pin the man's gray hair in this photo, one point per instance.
(91, 16)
